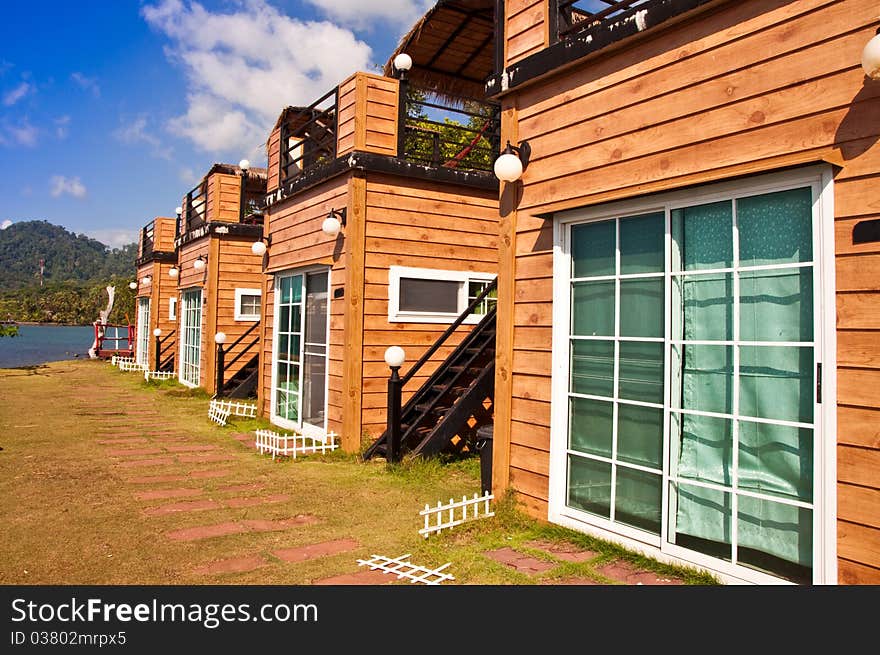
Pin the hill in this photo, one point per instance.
(67, 257)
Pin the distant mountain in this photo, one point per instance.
(66, 257)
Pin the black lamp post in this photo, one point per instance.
(394, 357)
(157, 333)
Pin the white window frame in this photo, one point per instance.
(820, 178)
(172, 308)
(184, 342)
(142, 349)
(246, 292)
(396, 315)
(315, 432)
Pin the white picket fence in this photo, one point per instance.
(292, 445)
(402, 568)
(158, 375)
(119, 360)
(218, 413)
(444, 517)
(130, 365)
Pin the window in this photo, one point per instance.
(424, 295)
(143, 331)
(247, 304)
(172, 309)
(687, 417)
(191, 338)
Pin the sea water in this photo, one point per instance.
(37, 344)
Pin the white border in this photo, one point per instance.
(312, 431)
(820, 178)
(395, 315)
(246, 292)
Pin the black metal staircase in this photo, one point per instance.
(244, 382)
(443, 416)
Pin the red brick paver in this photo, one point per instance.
(185, 506)
(155, 461)
(162, 494)
(232, 565)
(122, 452)
(192, 448)
(238, 527)
(312, 551)
(567, 552)
(522, 563)
(199, 459)
(359, 578)
(238, 503)
(626, 573)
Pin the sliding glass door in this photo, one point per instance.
(142, 348)
(691, 408)
(301, 330)
(191, 337)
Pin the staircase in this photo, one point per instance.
(244, 382)
(443, 416)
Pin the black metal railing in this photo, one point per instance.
(575, 16)
(147, 241)
(165, 350)
(195, 211)
(308, 136)
(434, 131)
(396, 382)
(223, 365)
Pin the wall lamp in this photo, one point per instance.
(199, 264)
(334, 222)
(260, 247)
(148, 279)
(512, 162)
(173, 272)
(871, 58)
(132, 285)
(402, 63)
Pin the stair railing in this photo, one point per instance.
(222, 365)
(396, 382)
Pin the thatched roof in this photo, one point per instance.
(233, 169)
(452, 48)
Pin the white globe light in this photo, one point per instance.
(179, 211)
(244, 165)
(132, 285)
(157, 332)
(258, 248)
(395, 356)
(871, 58)
(199, 264)
(220, 338)
(403, 62)
(331, 226)
(147, 279)
(173, 272)
(508, 167)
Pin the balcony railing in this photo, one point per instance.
(195, 209)
(576, 16)
(147, 241)
(309, 136)
(443, 132)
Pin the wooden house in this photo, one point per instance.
(381, 230)
(689, 298)
(219, 279)
(156, 302)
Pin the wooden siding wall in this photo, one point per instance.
(525, 28)
(380, 111)
(346, 110)
(750, 87)
(190, 279)
(161, 288)
(273, 154)
(225, 197)
(297, 242)
(424, 225)
(163, 233)
(239, 268)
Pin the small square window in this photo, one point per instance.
(421, 295)
(247, 304)
(172, 309)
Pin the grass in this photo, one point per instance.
(71, 517)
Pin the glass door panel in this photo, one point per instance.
(315, 351)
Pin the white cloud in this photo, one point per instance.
(22, 133)
(59, 185)
(86, 83)
(113, 238)
(361, 14)
(188, 176)
(244, 67)
(5, 224)
(16, 94)
(61, 126)
(136, 132)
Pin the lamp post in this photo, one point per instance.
(220, 339)
(157, 333)
(402, 63)
(394, 357)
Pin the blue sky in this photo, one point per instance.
(111, 110)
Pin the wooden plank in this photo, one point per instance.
(858, 466)
(529, 483)
(857, 426)
(533, 314)
(858, 505)
(858, 387)
(533, 338)
(360, 115)
(858, 311)
(530, 411)
(843, 237)
(858, 349)
(858, 543)
(354, 316)
(534, 363)
(530, 434)
(852, 573)
(529, 459)
(858, 273)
